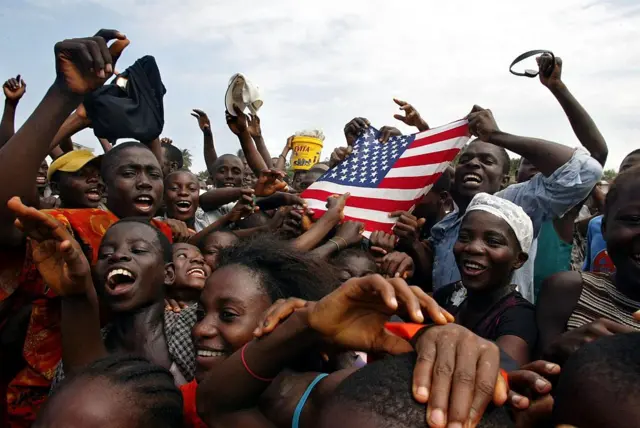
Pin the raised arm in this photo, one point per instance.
(239, 126)
(583, 126)
(281, 164)
(256, 133)
(209, 148)
(13, 90)
(75, 60)
(215, 198)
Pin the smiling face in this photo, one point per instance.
(621, 227)
(190, 267)
(487, 251)
(480, 169)
(230, 308)
(80, 189)
(213, 243)
(228, 171)
(131, 271)
(182, 196)
(134, 186)
(41, 178)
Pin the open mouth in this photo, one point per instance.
(196, 273)
(210, 353)
(119, 281)
(94, 194)
(41, 180)
(143, 203)
(229, 185)
(471, 268)
(183, 206)
(471, 179)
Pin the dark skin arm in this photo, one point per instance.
(583, 126)
(422, 256)
(215, 198)
(256, 133)
(515, 347)
(282, 159)
(545, 155)
(209, 148)
(558, 297)
(75, 59)
(13, 89)
(238, 124)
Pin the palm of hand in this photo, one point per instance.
(74, 79)
(268, 185)
(51, 265)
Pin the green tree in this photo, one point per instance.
(514, 164)
(203, 175)
(186, 159)
(609, 174)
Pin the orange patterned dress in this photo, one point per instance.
(20, 285)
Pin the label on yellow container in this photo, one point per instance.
(306, 152)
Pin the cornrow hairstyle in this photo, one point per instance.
(283, 271)
(167, 250)
(156, 397)
(112, 158)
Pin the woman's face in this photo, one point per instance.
(213, 244)
(181, 196)
(487, 251)
(191, 269)
(230, 308)
(130, 272)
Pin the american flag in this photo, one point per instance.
(383, 178)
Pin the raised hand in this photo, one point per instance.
(387, 132)
(339, 154)
(550, 71)
(349, 234)
(83, 65)
(14, 89)
(238, 123)
(203, 119)
(244, 207)
(481, 123)
(336, 204)
(254, 126)
(56, 254)
(269, 182)
(411, 116)
(353, 316)
(355, 128)
(407, 228)
(166, 140)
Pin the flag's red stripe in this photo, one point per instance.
(371, 226)
(408, 182)
(427, 158)
(460, 131)
(385, 205)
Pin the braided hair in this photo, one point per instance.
(157, 400)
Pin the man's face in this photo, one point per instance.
(81, 189)
(480, 169)
(228, 172)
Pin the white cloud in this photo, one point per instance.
(322, 63)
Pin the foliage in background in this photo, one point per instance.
(609, 174)
(186, 159)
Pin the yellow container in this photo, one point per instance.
(306, 152)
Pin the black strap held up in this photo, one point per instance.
(528, 72)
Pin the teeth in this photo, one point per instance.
(144, 198)
(472, 265)
(196, 272)
(123, 272)
(205, 353)
(472, 177)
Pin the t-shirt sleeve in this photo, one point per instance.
(519, 321)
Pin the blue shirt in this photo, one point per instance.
(596, 258)
(542, 198)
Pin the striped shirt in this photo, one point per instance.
(601, 299)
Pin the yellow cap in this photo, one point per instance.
(71, 162)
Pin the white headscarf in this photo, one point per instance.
(515, 216)
(243, 93)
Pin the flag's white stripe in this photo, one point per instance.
(390, 194)
(362, 213)
(442, 128)
(414, 171)
(452, 143)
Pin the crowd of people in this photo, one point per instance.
(132, 294)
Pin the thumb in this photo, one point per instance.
(117, 48)
(343, 198)
(421, 222)
(71, 255)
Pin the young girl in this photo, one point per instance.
(494, 239)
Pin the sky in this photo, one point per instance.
(319, 64)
